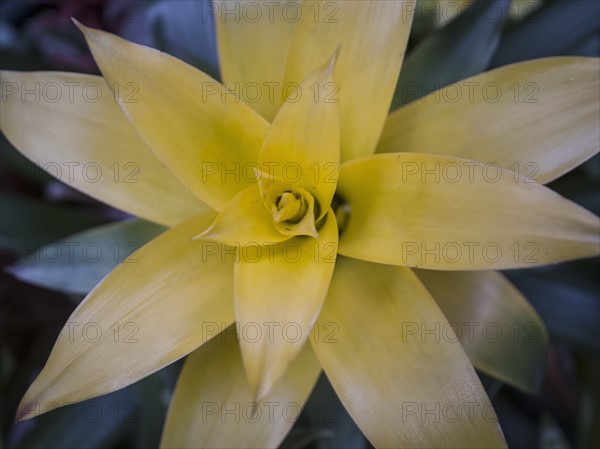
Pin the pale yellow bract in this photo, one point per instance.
(446, 191)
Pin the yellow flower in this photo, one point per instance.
(448, 190)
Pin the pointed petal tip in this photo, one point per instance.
(38, 399)
(87, 32)
(84, 29)
(215, 234)
(254, 409)
(262, 391)
(333, 59)
(207, 233)
(79, 25)
(260, 383)
(23, 415)
(202, 235)
(28, 408)
(311, 230)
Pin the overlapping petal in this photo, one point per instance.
(302, 146)
(244, 221)
(253, 40)
(396, 364)
(154, 308)
(279, 290)
(214, 407)
(71, 126)
(500, 331)
(446, 213)
(372, 36)
(204, 134)
(539, 118)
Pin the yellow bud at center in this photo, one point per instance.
(292, 209)
(290, 206)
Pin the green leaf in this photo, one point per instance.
(515, 350)
(104, 421)
(95, 423)
(325, 411)
(558, 28)
(491, 384)
(186, 32)
(566, 297)
(461, 49)
(581, 185)
(302, 438)
(424, 20)
(11, 161)
(154, 395)
(551, 435)
(27, 223)
(77, 263)
(588, 432)
(518, 423)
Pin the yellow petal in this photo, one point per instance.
(447, 213)
(372, 36)
(396, 365)
(539, 118)
(163, 302)
(71, 126)
(253, 40)
(278, 294)
(244, 222)
(206, 136)
(213, 405)
(498, 329)
(302, 147)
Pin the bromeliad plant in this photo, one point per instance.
(329, 246)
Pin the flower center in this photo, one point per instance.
(292, 208)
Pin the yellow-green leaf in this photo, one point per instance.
(160, 304)
(372, 37)
(253, 40)
(71, 126)
(278, 292)
(399, 371)
(206, 136)
(498, 329)
(538, 118)
(302, 147)
(446, 213)
(214, 406)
